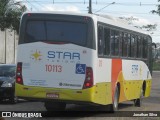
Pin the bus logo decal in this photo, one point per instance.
(80, 68)
(63, 55)
(36, 55)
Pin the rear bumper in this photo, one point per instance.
(63, 94)
(93, 95)
(60, 100)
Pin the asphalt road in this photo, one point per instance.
(150, 105)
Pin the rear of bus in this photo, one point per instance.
(55, 59)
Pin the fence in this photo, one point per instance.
(8, 46)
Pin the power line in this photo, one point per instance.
(32, 5)
(124, 12)
(105, 7)
(40, 4)
(97, 3)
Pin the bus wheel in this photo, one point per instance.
(116, 99)
(13, 99)
(114, 106)
(55, 106)
(138, 102)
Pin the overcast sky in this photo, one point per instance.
(122, 8)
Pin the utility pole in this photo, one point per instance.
(90, 7)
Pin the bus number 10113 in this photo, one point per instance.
(53, 68)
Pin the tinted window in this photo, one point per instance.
(129, 45)
(121, 43)
(133, 46)
(35, 31)
(100, 40)
(145, 47)
(54, 31)
(125, 41)
(139, 47)
(7, 71)
(107, 41)
(117, 37)
(114, 42)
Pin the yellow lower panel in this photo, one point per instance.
(132, 88)
(100, 93)
(148, 88)
(103, 93)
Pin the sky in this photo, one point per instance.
(140, 9)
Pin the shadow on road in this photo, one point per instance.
(80, 111)
(7, 102)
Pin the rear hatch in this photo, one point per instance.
(54, 50)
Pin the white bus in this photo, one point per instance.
(75, 58)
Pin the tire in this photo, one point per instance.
(114, 107)
(138, 102)
(55, 106)
(116, 99)
(13, 99)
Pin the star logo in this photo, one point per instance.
(36, 55)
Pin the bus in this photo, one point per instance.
(76, 58)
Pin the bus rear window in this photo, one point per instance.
(56, 31)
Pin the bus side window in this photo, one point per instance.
(107, 41)
(132, 46)
(125, 41)
(139, 47)
(121, 44)
(129, 45)
(100, 40)
(114, 43)
(117, 37)
(135, 46)
(145, 47)
(112, 38)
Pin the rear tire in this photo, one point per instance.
(55, 106)
(14, 99)
(114, 107)
(116, 99)
(138, 102)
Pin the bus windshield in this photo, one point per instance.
(56, 31)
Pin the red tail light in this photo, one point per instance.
(89, 78)
(19, 79)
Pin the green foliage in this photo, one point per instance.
(10, 14)
(131, 20)
(158, 9)
(156, 66)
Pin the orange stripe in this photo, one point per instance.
(116, 69)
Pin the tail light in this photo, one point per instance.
(19, 79)
(89, 78)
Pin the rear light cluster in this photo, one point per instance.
(89, 78)
(19, 79)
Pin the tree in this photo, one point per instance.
(158, 9)
(10, 14)
(131, 20)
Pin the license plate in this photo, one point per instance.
(52, 95)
